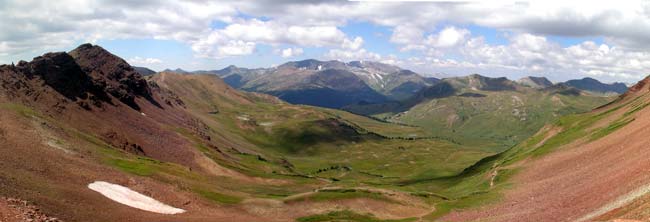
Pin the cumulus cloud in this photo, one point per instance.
(43, 25)
(291, 52)
(528, 54)
(352, 50)
(241, 37)
(409, 36)
(352, 44)
(425, 29)
(143, 61)
(348, 55)
(448, 37)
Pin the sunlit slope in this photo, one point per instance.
(487, 113)
(312, 138)
(582, 167)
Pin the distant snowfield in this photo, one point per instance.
(128, 197)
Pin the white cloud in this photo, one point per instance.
(352, 44)
(217, 30)
(528, 54)
(448, 37)
(34, 26)
(291, 52)
(241, 37)
(348, 55)
(144, 61)
(235, 48)
(409, 36)
(352, 50)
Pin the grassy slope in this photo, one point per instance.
(511, 116)
(314, 144)
(313, 139)
(483, 182)
(352, 151)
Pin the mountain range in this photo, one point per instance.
(363, 82)
(459, 149)
(331, 84)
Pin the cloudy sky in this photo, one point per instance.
(557, 39)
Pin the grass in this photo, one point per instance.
(345, 149)
(21, 109)
(337, 194)
(139, 166)
(386, 129)
(464, 119)
(347, 215)
(611, 128)
(218, 197)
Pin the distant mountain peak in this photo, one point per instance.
(593, 85)
(177, 70)
(535, 82)
(144, 71)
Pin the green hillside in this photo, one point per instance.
(486, 113)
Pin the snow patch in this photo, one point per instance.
(379, 76)
(128, 197)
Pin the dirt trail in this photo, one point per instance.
(402, 206)
(620, 202)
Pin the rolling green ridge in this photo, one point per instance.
(491, 114)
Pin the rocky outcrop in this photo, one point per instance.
(116, 75)
(88, 76)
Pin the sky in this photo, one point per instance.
(560, 40)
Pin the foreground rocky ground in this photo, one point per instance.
(12, 209)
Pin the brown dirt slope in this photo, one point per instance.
(584, 179)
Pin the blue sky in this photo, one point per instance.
(559, 40)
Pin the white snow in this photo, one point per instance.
(320, 67)
(379, 76)
(128, 197)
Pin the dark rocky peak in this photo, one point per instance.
(60, 72)
(118, 77)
